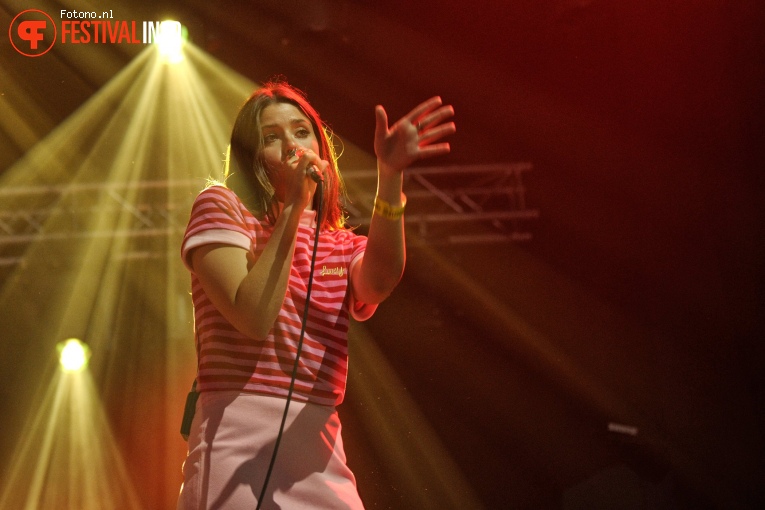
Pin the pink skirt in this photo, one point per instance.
(230, 447)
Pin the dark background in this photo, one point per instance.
(639, 299)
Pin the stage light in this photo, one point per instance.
(170, 39)
(73, 355)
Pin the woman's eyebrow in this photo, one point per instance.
(292, 121)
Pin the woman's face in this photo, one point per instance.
(284, 127)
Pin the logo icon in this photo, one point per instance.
(32, 33)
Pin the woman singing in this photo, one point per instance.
(248, 246)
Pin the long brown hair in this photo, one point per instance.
(246, 172)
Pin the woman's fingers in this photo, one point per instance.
(304, 158)
(435, 118)
(436, 149)
(413, 136)
(422, 109)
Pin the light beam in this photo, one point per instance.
(109, 192)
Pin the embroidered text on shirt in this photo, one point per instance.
(339, 271)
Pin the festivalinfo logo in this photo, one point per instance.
(33, 32)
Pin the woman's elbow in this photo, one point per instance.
(378, 289)
(252, 329)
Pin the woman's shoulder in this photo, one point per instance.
(217, 192)
(345, 236)
(218, 201)
(221, 196)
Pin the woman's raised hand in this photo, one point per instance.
(414, 136)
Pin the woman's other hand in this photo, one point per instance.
(414, 136)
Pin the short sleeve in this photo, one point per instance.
(217, 216)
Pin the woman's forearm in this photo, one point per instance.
(250, 294)
(385, 254)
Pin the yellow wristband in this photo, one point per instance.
(387, 211)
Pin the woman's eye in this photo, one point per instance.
(303, 132)
(269, 138)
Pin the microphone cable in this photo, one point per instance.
(318, 200)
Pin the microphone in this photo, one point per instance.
(314, 174)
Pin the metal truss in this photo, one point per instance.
(446, 205)
(455, 204)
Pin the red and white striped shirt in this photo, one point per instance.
(229, 360)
